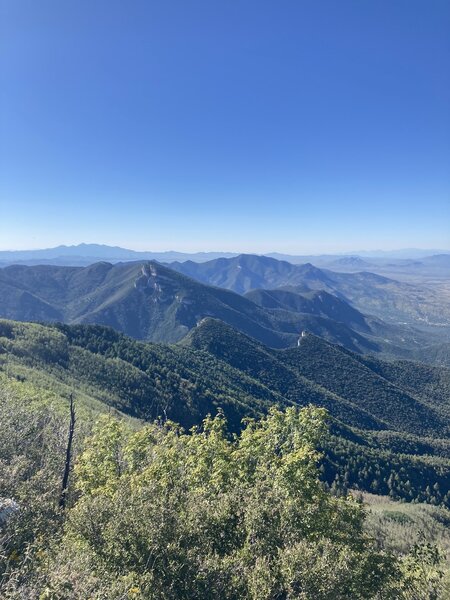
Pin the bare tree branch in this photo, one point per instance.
(65, 481)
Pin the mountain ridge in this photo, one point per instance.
(94, 252)
(371, 293)
(151, 301)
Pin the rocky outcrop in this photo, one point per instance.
(8, 507)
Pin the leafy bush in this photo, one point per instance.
(165, 515)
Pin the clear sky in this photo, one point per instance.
(266, 125)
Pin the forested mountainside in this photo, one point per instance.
(152, 302)
(390, 421)
(390, 300)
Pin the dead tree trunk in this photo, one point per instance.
(65, 481)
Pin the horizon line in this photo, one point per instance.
(236, 252)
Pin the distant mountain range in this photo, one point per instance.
(150, 301)
(370, 293)
(85, 254)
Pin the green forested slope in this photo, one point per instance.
(332, 368)
(385, 437)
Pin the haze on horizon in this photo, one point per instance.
(250, 127)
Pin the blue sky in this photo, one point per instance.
(292, 125)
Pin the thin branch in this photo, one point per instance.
(65, 481)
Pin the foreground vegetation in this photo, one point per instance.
(156, 513)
